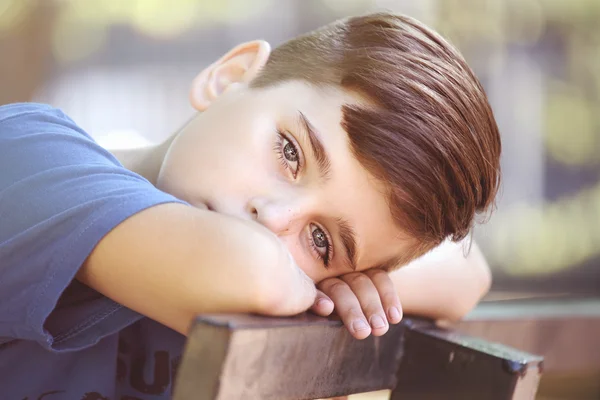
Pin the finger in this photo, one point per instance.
(347, 306)
(323, 305)
(387, 294)
(364, 289)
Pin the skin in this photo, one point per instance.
(242, 172)
(246, 164)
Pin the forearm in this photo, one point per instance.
(443, 284)
(164, 261)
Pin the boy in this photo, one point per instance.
(343, 154)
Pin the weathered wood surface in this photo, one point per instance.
(563, 329)
(307, 357)
(566, 331)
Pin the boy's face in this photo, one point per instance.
(281, 157)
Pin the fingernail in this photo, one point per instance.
(323, 302)
(359, 325)
(394, 314)
(377, 322)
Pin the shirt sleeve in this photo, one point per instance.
(60, 194)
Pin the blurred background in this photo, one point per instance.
(123, 67)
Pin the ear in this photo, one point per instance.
(239, 66)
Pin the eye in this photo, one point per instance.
(321, 243)
(289, 154)
(289, 151)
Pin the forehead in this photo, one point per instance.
(351, 193)
(325, 98)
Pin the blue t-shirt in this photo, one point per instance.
(60, 194)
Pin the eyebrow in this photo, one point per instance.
(348, 237)
(317, 148)
(346, 232)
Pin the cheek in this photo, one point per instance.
(303, 259)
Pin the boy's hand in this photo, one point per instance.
(367, 302)
(172, 262)
(283, 288)
(287, 290)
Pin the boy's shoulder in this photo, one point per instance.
(18, 118)
(15, 110)
(47, 124)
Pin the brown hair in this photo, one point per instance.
(431, 136)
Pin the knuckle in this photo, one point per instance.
(293, 296)
(357, 279)
(326, 282)
(373, 307)
(334, 286)
(354, 312)
(376, 272)
(390, 297)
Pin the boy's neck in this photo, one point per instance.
(143, 158)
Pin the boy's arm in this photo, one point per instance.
(172, 262)
(66, 203)
(443, 284)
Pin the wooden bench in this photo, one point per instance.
(231, 357)
(565, 329)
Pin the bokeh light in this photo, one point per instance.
(538, 59)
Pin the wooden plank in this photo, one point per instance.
(205, 353)
(566, 332)
(287, 358)
(444, 364)
(307, 357)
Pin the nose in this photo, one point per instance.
(279, 216)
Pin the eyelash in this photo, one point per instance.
(279, 148)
